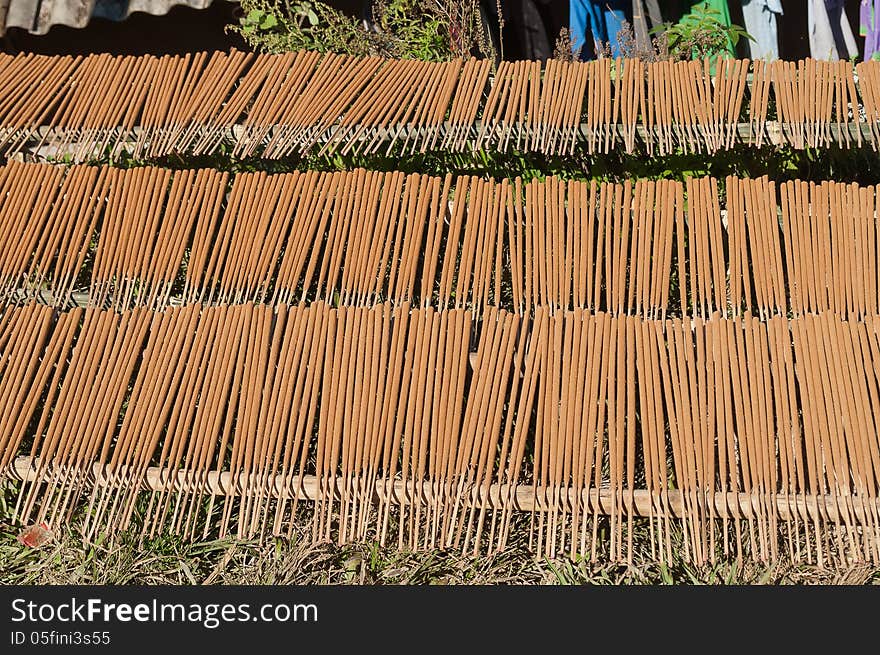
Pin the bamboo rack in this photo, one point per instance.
(226, 418)
(151, 237)
(421, 360)
(521, 498)
(276, 106)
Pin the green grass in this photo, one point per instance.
(780, 163)
(169, 560)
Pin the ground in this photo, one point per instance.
(69, 559)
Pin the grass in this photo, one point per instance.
(779, 163)
(169, 560)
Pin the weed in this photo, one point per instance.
(700, 34)
(429, 30)
(168, 559)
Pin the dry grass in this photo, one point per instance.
(167, 560)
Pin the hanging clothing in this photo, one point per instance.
(595, 23)
(760, 18)
(869, 28)
(525, 33)
(646, 16)
(831, 37)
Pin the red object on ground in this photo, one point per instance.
(35, 536)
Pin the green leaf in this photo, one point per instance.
(660, 28)
(254, 16)
(313, 17)
(269, 22)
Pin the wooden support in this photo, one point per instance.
(524, 498)
(42, 148)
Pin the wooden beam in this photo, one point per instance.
(774, 133)
(522, 498)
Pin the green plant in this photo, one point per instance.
(413, 32)
(282, 26)
(430, 30)
(701, 34)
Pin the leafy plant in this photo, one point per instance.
(701, 34)
(282, 26)
(414, 33)
(430, 30)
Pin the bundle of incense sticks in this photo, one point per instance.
(275, 106)
(430, 429)
(152, 237)
(436, 362)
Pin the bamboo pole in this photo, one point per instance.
(40, 147)
(524, 498)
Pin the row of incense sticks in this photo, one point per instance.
(149, 237)
(430, 429)
(84, 108)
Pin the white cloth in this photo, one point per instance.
(760, 22)
(831, 36)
